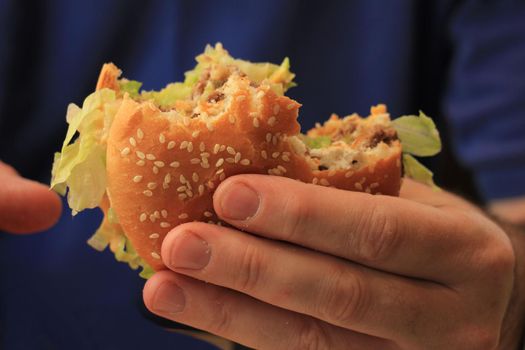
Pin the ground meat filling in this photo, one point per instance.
(382, 135)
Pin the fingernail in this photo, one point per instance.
(169, 298)
(239, 202)
(189, 251)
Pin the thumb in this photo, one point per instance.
(26, 206)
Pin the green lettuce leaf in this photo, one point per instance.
(316, 142)
(132, 87)
(417, 171)
(112, 235)
(80, 166)
(418, 135)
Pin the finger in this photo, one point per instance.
(340, 293)
(387, 233)
(25, 206)
(243, 319)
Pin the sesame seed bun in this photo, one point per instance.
(163, 166)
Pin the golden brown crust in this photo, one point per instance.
(163, 168)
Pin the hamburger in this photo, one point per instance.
(151, 160)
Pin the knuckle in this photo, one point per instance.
(310, 336)
(220, 321)
(297, 215)
(344, 301)
(251, 269)
(478, 337)
(378, 236)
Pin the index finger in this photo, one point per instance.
(26, 206)
(388, 233)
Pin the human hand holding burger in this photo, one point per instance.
(308, 267)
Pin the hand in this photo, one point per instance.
(330, 269)
(25, 206)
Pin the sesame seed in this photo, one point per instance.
(182, 179)
(159, 163)
(174, 164)
(315, 181)
(183, 216)
(190, 146)
(165, 185)
(202, 147)
(264, 154)
(237, 157)
(148, 193)
(208, 214)
(143, 217)
(201, 189)
(285, 158)
(290, 106)
(230, 150)
(171, 145)
(268, 137)
(152, 185)
(275, 155)
(209, 126)
(125, 151)
(231, 119)
(162, 138)
(155, 170)
(140, 162)
(324, 182)
(150, 156)
(195, 133)
(154, 236)
(245, 161)
(276, 109)
(157, 214)
(140, 133)
(132, 141)
(167, 178)
(374, 185)
(152, 218)
(140, 154)
(195, 177)
(241, 98)
(271, 121)
(223, 147)
(367, 190)
(220, 171)
(219, 162)
(189, 193)
(260, 94)
(205, 154)
(165, 224)
(181, 189)
(183, 196)
(210, 185)
(222, 176)
(348, 174)
(164, 213)
(183, 144)
(195, 160)
(281, 168)
(155, 255)
(256, 122)
(205, 165)
(137, 178)
(216, 148)
(358, 186)
(230, 160)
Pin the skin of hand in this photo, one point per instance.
(26, 206)
(311, 267)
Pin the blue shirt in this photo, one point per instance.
(462, 62)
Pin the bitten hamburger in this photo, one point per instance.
(152, 160)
